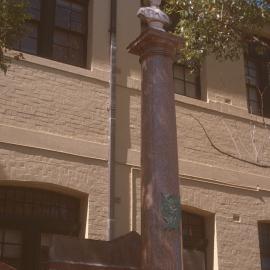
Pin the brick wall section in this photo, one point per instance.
(224, 131)
(53, 101)
(58, 171)
(231, 136)
(238, 243)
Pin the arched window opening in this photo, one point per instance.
(29, 217)
(194, 241)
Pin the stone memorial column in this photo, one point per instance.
(161, 229)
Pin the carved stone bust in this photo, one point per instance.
(153, 16)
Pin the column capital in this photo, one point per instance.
(155, 42)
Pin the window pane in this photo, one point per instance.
(252, 94)
(193, 259)
(34, 9)
(179, 87)
(29, 43)
(12, 251)
(191, 76)
(178, 72)
(70, 34)
(70, 16)
(13, 237)
(63, 3)
(186, 82)
(254, 108)
(78, 18)
(62, 17)
(77, 27)
(76, 43)
(193, 231)
(60, 53)
(251, 80)
(251, 73)
(265, 263)
(264, 241)
(257, 79)
(61, 38)
(268, 72)
(68, 48)
(191, 90)
(1, 235)
(76, 57)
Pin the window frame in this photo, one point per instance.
(263, 252)
(185, 81)
(46, 28)
(195, 223)
(263, 80)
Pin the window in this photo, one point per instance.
(264, 241)
(186, 83)
(57, 30)
(194, 241)
(29, 217)
(257, 73)
(11, 247)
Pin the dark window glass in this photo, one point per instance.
(186, 83)
(29, 218)
(257, 81)
(29, 43)
(34, 9)
(194, 241)
(264, 241)
(193, 231)
(11, 247)
(57, 30)
(39, 205)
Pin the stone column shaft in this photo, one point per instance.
(160, 184)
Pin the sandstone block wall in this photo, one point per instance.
(54, 101)
(213, 134)
(223, 152)
(49, 106)
(237, 240)
(224, 171)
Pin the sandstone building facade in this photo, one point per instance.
(54, 142)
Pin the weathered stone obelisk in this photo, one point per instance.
(161, 245)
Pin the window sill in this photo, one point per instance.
(104, 75)
(98, 74)
(222, 108)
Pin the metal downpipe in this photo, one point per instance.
(112, 117)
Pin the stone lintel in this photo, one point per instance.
(153, 41)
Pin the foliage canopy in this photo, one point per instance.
(220, 27)
(13, 15)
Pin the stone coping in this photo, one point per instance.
(94, 73)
